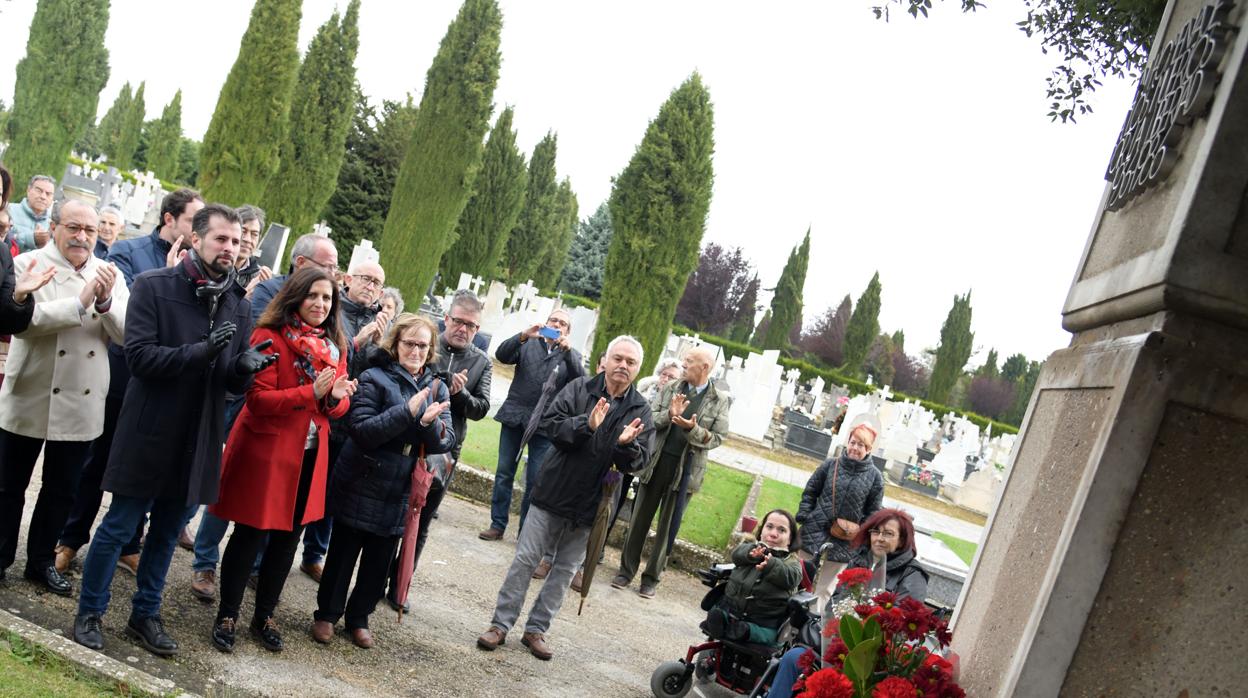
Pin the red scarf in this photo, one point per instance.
(313, 350)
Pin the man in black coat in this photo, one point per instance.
(187, 337)
(16, 304)
(594, 423)
(534, 357)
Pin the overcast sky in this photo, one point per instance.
(919, 149)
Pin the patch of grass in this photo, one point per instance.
(481, 447)
(962, 548)
(715, 511)
(777, 495)
(26, 670)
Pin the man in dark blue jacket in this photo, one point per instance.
(187, 337)
(534, 357)
(132, 257)
(594, 423)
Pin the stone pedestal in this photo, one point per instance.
(1113, 563)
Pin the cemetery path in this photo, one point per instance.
(609, 650)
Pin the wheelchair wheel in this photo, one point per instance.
(670, 680)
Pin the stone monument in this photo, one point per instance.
(1098, 574)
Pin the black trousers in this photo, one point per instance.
(279, 553)
(87, 499)
(432, 501)
(346, 545)
(62, 463)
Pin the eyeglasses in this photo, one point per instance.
(74, 229)
(881, 533)
(324, 266)
(557, 321)
(367, 280)
(410, 345)
(471, 326)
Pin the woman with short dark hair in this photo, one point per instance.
(401, 409)
(274, 471)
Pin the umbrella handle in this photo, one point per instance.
(581, 607)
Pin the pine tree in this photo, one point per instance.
(582, 275)
(57, 87)
(320, 116)
(127, 143)
(188, 162)
(743, 325)
(786, 304)
(862, 328)
(658, 207)
(113, 123)
(990, 366)
(560, 243)
(375, 148)
(954, 350)
(899, 340)
(164, 137)
(1015, 367)
(240, 149)
(527, 244)
(1025, 385)
(491, 213)
(879, 362)
(445, 152)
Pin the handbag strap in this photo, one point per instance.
(835, 507)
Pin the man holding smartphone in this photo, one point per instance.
(536, 353)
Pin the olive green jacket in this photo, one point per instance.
(708, 434)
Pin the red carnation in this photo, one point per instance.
(894, 687)
(854, 576)
(835, 654)
(828, 683)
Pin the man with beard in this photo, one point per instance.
(186, 345)
(54, 398)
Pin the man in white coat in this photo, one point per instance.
(55, 383)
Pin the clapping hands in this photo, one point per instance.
(30, 281)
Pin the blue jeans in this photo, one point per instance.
(786, 674)
(114, 531)
(508, 453)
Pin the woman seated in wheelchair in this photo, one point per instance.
(755, 602)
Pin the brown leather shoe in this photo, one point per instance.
(536, 642)
(129, 563)
(490, 534)
(492, 638)
(578, 580)
(362, 638)
(64, 556)
(185, 540)
(313, 570)
(204, 584)
(543, 569)
(323, 631)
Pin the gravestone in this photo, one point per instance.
(272, 246)
(363, 252)
(754, 386)
(1097, 574)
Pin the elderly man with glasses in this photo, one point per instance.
(58, 378)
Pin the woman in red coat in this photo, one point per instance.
(274, 469)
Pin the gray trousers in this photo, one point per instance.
(543, 532)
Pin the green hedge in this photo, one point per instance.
(574, 301)
(808, 371)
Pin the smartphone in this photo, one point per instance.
(549, 333)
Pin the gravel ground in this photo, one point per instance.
(610, 650)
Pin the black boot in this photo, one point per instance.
(88, 631)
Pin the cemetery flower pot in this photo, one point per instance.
(922, 480)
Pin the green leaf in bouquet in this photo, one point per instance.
(871, 628)
(851, 631)
(860, 662)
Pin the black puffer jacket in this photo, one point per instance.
(859, 494)
(373, 477)
(473, 402)
(903, 575)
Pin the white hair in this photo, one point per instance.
(664, 364)
(641, 352)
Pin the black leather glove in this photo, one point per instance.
(221, 335)
(254, 360)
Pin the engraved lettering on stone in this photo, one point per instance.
(1176, 89)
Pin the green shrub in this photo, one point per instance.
(574, 301)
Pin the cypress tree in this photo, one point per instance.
(109, 130)
(559, 245)
(240, 149)
(899, 340)
(320, 116)
(954, 349)
(491, 213)
(990, 366)
(761, 330)
(582, 275)
(786, 304)
(863, 326)
(529, 240)
(743, 326)
(127, 143)
(164, 137)
(444, 153)
(57, 87)
(658, 208)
